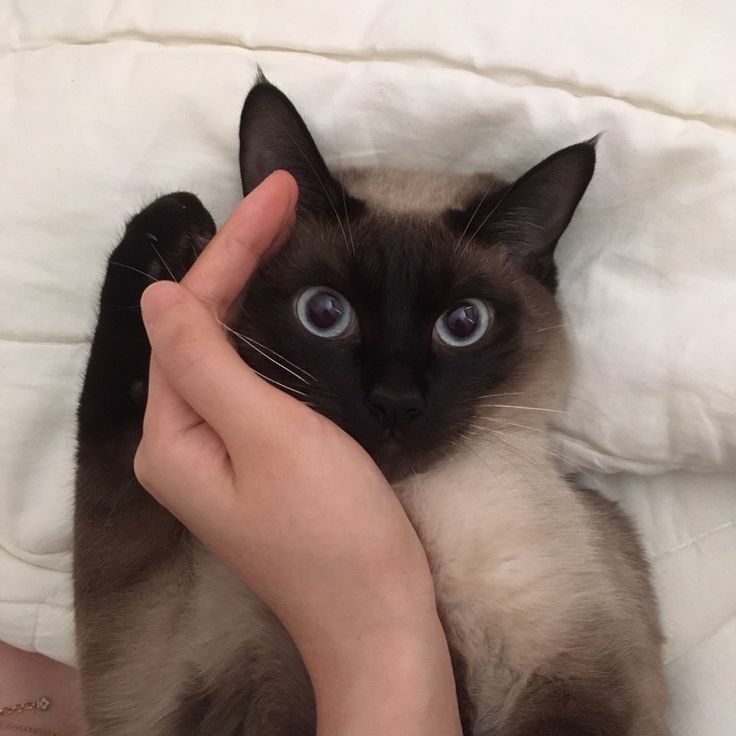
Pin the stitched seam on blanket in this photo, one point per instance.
(37, 604)
(37, 557)
(38, 340)
(697, 538)
(408, 55)
(702, 640)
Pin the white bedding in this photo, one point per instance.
(107, 104)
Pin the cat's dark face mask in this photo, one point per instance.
(397, 326)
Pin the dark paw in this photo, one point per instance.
(165, 238)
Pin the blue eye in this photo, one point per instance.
(324, 312)
(464, 323)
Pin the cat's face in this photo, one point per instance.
(395, 325)
(395, 339)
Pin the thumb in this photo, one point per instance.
(201, 366)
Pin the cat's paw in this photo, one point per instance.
(165, 238)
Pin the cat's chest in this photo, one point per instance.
(502, 535)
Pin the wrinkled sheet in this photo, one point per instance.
(108, 104)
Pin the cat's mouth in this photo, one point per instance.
(394, 459)
(399, 451)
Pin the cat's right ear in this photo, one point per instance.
(529, 216)
(273, 136)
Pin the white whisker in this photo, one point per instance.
(321, 183)
(347, 218)
(506, 440)
(524, 408)
(512, 424)
(151, 239)
(472, 217)
(493, 210)
(277, 354)
(515, 451)
(132, 268)
(493, 396)
(277, 383)
(250, 344)
(342, 186)
(489, 396)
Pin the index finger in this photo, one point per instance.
(262, 221)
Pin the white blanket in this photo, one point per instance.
(107, 104)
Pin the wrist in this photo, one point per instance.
(391, 682)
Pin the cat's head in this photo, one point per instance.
(401, 300)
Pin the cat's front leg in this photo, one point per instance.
(111, 509)
(130, 554)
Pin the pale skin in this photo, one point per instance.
(291, 503)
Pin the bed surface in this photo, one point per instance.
(107, 105)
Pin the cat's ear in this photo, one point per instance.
(273, 136)
(529, 216)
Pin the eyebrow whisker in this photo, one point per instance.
(250, 344)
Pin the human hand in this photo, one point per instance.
(289, 502)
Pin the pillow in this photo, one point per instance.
(648, 286)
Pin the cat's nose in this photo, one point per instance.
(395, 408)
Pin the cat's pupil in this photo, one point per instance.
(462, 320)
(324, 309)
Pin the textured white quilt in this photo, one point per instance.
(107, 104)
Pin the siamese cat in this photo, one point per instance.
(416, 311)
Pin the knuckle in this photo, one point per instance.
(237, 239)
(158, 456)
(152, 458)
(142, 467)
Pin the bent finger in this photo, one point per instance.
(204, 370)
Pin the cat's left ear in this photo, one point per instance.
(529, 216)
(274, 136)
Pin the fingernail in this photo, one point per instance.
(294, 195)
(158, 298)
(288, 215)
